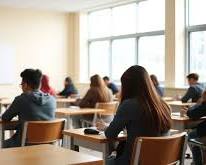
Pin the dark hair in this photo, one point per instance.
(69, 80)
(32, 77)
(137, 84)
(106, 78)
(194, 76)
(154, 80)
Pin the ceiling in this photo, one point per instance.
(60, 5)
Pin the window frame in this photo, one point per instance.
(136, 36)
(190, 29)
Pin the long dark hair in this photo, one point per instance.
(136, 83)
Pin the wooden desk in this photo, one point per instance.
(95, 142)
(183, 123)
(5, 102)
(64, 102)
(168, 99)
(68, 112)
(178, 105)
(45, 155)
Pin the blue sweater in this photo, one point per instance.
(194, 92)
(113, 87)
(130, 116)
(32, 106)
(196, 112)
(68, 91)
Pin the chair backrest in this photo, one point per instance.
(165, 150)
(42, 132)
(110, 107)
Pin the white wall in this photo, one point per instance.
(40, 39)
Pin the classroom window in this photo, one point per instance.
(151, 55)
(132, 34)
(123, 56)
(124, 19)
(198, 53)
(197, 12)
(99, 24)
(151, 15)
(196, 31)
(99, 58)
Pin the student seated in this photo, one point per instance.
(110, 85)
(155, 82)
(45, 86)
(141, 112)
(97, 92)
(195, 90)
(69, 88)
(196, 112)
(31, 105)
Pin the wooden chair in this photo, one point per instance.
(167, 150)
(110, 110)
(109, 107)
(42, 132)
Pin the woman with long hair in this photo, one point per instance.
(98, 92)
(142, 112)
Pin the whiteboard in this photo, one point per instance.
(7, 64)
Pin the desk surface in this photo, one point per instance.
(176, 117)
(77, 111)
(45, 155)
(79, 133)
(179, 103)
(5, 101)
(168, 98)
(66, 100)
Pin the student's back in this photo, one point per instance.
(130, 115)
(195, 90)
(141, 112)
(194, 93)
(32, 105)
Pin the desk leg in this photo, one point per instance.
(72, 146)
(105, 150)
(1, 135)
(66, 138)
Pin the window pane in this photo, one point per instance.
(99, 23)
(123, 56)
(152, 55)
(198, 54)
(99, 58)
(151, 15)
(197, 12)
(124, 19)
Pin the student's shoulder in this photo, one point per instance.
(129, 104)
